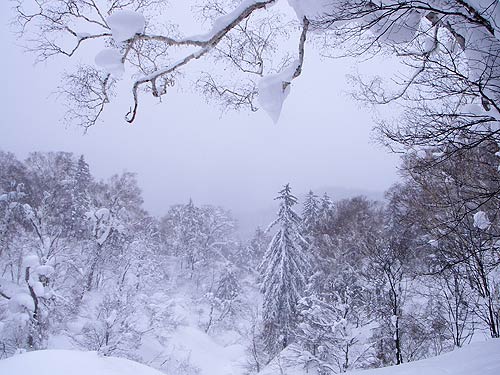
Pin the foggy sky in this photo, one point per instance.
(183, 148)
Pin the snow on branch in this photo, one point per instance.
(274, 89)
(62, 27)
(221, 27)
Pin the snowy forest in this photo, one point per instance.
(343, 285)
(329, 285)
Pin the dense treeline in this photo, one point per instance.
(82, 262)
(396, 281)
(344, 285)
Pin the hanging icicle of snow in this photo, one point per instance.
(273, 90)
(110, 59)
(125, 24)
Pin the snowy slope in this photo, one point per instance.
(204, 355)
(69, 362)
(209, 356)
(481, 358)
(478, 358)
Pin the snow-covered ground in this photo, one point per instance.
(71, 362)
(475, 359)
(480, 358)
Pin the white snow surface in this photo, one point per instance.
(110, 59)
(480, 358)
(125, 24)
(69, 362)
(271, 92)
(206, 354)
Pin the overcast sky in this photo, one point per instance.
(183, 148)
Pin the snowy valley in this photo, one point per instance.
(328, 286)
(404, 282)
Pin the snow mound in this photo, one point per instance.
(478, 358)
(65, 362)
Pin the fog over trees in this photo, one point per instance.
(330, 285)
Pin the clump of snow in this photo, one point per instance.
(102, 213)
(481, 220)
(273, 90)
(65, 362)
(38, 289)
(125, 24)
(83, 35)
(434, 243)
(20, 301)
(110, 59)
(31, 261)
(45, 270)
(10, 196)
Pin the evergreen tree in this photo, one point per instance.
(81, 196)
(190, 234)
(325, 210)
(228, 287)
(283, 275)
(310, 213)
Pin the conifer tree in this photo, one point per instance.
(310, 213)
(190, 234)
(80, 196)
(325, 207)
(283, 275)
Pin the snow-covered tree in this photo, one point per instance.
(81, 196)
(284, 271)
(310, 213)
(224, 299)
(450, 45)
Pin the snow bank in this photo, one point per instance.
(478, 358)
(65, 362)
